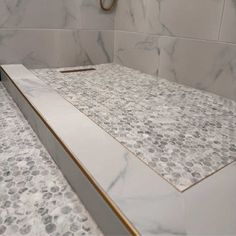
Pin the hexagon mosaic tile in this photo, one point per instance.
(182, 133)
(35, 198)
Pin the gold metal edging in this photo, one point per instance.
(99, 189)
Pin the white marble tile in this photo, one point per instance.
(127, 182)
(210, 206)
(92, 200)
(97, 45)
(39, 14)
(191, 18)
(54, 14)
(138, 51)
(206, 65)
(92, 17)
(186, 18)
(138, 16)
(228, 32)
(55, 48)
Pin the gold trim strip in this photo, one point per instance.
(99, 189)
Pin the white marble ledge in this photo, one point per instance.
(151, 204)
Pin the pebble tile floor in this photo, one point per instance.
(182, 133)
(35, 198)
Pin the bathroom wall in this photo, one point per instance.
(188, 41)
(55, 33)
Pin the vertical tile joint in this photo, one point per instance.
(221, 20)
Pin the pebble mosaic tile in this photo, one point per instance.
(35, 198)
(182, 133)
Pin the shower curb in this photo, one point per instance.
(91, 195)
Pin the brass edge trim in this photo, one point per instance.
(99, 189)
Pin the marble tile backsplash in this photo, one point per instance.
(184, 18)
(55, 48)
(189, 41)
(54, 14)
(195, 41)
(55, 33)
(137, 50)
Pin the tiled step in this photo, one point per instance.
(35, 198)
(38, 113)
(118, 188)
(123, 195)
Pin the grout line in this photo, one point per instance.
(221, 20)
(180, 37)
(53, 29)
(114, 46)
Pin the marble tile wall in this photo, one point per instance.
(195, 41)
(42, 33)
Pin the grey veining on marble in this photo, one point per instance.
(184, 18)
(55, 48)
(35, 198)
(209, 66)
(124, 178)
(55, 33)
(183, 134)
(137, 51)
(205, 65)
(228, 32)
(194, 40)
(57, 14)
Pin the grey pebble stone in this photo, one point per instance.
(50, 228)
(2, 229)
(25, 229)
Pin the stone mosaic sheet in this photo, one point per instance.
(35, 199)
(182, 133)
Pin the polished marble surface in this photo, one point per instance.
(35, 198)
(150, 203)
(195, 41)
(55, 33)
(205, 65)
(183, 18)
(57, 14)
(182, 133)
(116, 171)
(210, 206)
(55, 48)
(138, 51)
(228, 32)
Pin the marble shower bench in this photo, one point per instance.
(77, 117)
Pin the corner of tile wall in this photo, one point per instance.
(138, 51)
(196, 41)
(58, 38)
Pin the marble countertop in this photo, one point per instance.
(35, 199)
